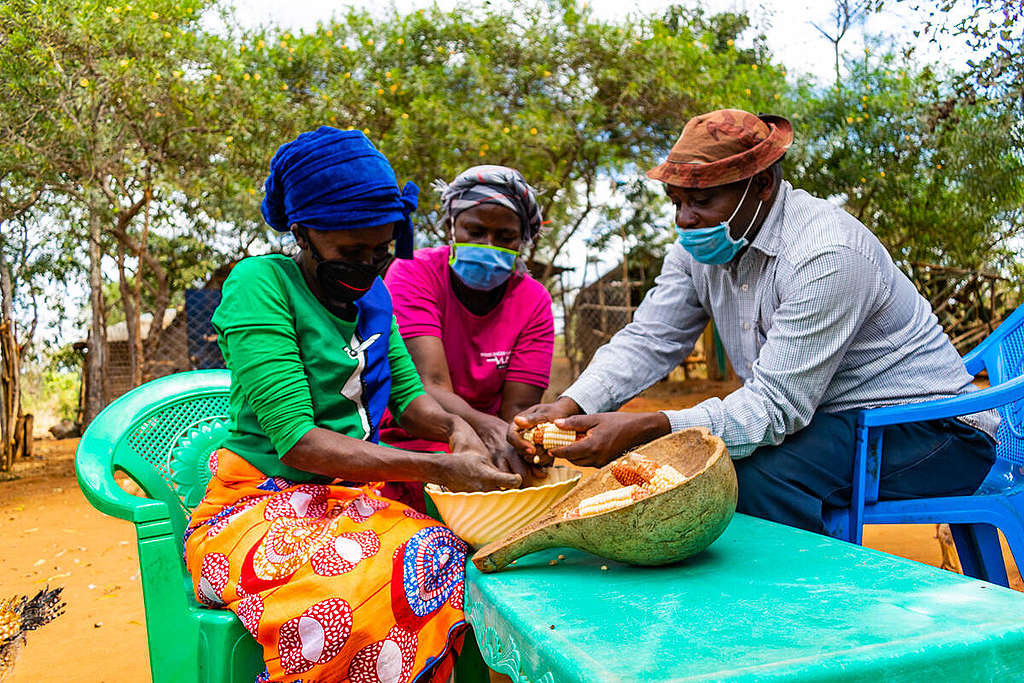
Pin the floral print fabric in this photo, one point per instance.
(336, 583)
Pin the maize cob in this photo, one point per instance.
(641, 493)
(634, 469)
(548, 436)
(603, 502)
(665, 478)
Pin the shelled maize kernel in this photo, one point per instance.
(642, 492)
(548, 436)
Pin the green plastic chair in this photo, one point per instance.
(161, 434)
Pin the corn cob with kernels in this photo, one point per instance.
(548, 436)
(603, 502)
(640, 476)
(665, 478)
(634, 469)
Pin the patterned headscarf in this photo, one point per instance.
(330, 179)
(492, 185)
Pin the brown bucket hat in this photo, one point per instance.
(724, 146)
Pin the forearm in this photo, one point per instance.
(324, 452)
(664, 330)
(744, 420)
(517, 397)
(456, 405)
(425, 418)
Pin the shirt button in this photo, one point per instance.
(744, 287)
(750, 366)
(746, 326)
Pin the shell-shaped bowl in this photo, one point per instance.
(479, 517)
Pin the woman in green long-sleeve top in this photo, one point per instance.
(335, 581)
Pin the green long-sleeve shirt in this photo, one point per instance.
(295, 365)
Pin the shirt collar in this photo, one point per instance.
(769, 236)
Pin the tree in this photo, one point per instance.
(994, 32)
(846, 14)
(939, 178)
(23, 269)
(152, 135)
(936, 177)
(113, 108)
(567, 98)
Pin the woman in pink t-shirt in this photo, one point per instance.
(479, 328)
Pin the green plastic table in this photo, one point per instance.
(765, 602)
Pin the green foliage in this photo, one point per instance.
(124, 115)
(994, 33)
(939, 178)
(567, 98)
(50, 394)
(100, 104)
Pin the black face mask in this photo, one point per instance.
(343, 282)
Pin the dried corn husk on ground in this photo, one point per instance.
(658, 529)
(18, 616)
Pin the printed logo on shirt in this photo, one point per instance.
(355, 349)
(499, 358)
(355, 388)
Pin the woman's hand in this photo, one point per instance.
(493, 431)
(463, 440)
(608, 435)
(542, 412)
(466, 443)
(475, 472)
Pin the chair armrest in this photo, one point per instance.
(98, 485)
(964, 404)
(973, 360)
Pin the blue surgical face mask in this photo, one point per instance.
(715, 246)
(481, 266)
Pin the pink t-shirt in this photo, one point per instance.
(514, 342)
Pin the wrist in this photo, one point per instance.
(567, 406)
(439, 467)
(479, 422)
(655, 425)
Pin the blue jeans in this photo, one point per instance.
(794, 482)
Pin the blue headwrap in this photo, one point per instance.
(330, 179)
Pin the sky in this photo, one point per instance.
(788, 24)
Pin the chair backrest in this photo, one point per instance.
(161, 434)
(1001, 354)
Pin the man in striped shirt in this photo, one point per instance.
(817, 321)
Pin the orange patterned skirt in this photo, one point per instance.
(336, 583)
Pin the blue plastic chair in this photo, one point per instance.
(998, 503)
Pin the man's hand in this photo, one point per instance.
(609, 435)
(542, 412)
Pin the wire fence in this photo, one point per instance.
(185, 341)
(969, 305)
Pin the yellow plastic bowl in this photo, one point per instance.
(480, 517)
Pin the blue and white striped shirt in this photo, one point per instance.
(814, 316)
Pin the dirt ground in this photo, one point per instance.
(53, 536)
